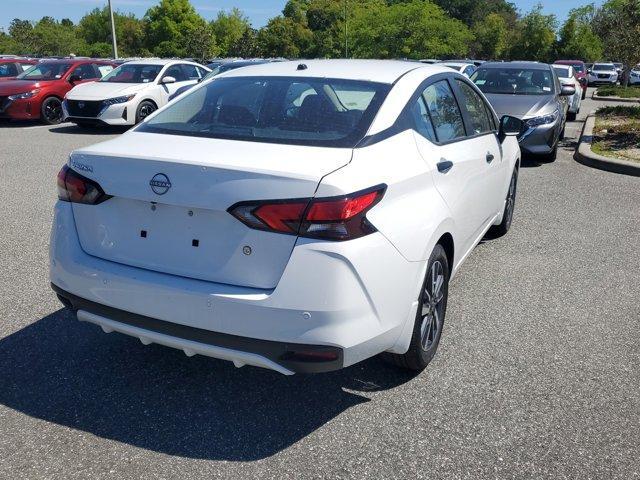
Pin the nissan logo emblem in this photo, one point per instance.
(80, 104)
(160, 184)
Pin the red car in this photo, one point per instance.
(38, 92)
(10, 68)
(581, 72)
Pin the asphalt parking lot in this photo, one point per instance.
(537, 375)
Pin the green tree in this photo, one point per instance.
(618, 24)
(284, 37)
(412, 29)
(492, 37)
(577, 36)
(171, 27)
(473, 11)
(21, 32)
(535, 36)
(51, 37)
(95, 29)
(229, 29)
(247, 46)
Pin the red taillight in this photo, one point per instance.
(73, 187)
(334, 218)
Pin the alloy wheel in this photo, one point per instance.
(511, 198)
(53, 111)
(146, 110)
(432, 307)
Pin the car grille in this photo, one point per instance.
(4, 103)
(84, 108)
(603, 75)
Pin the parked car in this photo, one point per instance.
(603, 73)
(531, 92)
(10, 68)
(37, 93)
(567, 77)
(220, 68)
(634, 75)
(580, 69)
(241, 220)
(130, 92)
(466, 69)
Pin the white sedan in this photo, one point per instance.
(634, 76)
(131, 92)
(464, 68)
(567, 76)
(296, 216)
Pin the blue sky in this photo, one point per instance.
(259, 11)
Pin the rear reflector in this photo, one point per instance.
(332, 218)
(73, 187)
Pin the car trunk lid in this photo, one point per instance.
(169, 207)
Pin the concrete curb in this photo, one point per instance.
(614, 99)
(585, 156)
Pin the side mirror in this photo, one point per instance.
(509, 127)
(168, 79)
(583, 81)
(567, 90)
(74, 78)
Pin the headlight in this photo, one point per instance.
(543, 120)
(22, 96)
(116, 100)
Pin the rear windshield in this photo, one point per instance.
(562, 72)
(514, 81)
(45, 71)
(290, 110)
(132, 73)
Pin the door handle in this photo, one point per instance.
(444, 166)
(490, 157)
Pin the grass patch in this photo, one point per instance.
(618, 91)
(617, 132)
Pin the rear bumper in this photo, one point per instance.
(241, 351)
(355, 297)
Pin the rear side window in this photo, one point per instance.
(444, 111)
(476, 108)
(176, 72)
(422, 121)
(104, 69)
(290, 110)
(84, 71)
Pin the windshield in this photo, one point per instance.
(45, 71)
(133, 73)
(603, 67)
(514, 81)
(562, 72)
(289, 110)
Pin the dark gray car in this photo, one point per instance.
(531, 92)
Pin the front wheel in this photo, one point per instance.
(509, 205)
(51, 111)
(145, 109)
(432, 307)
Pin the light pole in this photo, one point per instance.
(113, 32)
(346, 31)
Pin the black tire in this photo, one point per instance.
(507, 216)
(561, 137)
(551, 157)
(427, 329)
(51, 111)
(584, 93)
(571, 117)
(145, 109)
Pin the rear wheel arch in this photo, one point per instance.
(446, 241)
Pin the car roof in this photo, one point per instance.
(74, 60)
(457, 64)
(503, 65)
(568, 62)
(381, 71)
(159, 61)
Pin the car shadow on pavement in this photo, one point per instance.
(70, 373)
(89, 130)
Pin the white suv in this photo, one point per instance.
(296, 216)
(131, 92)
(602, 73)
